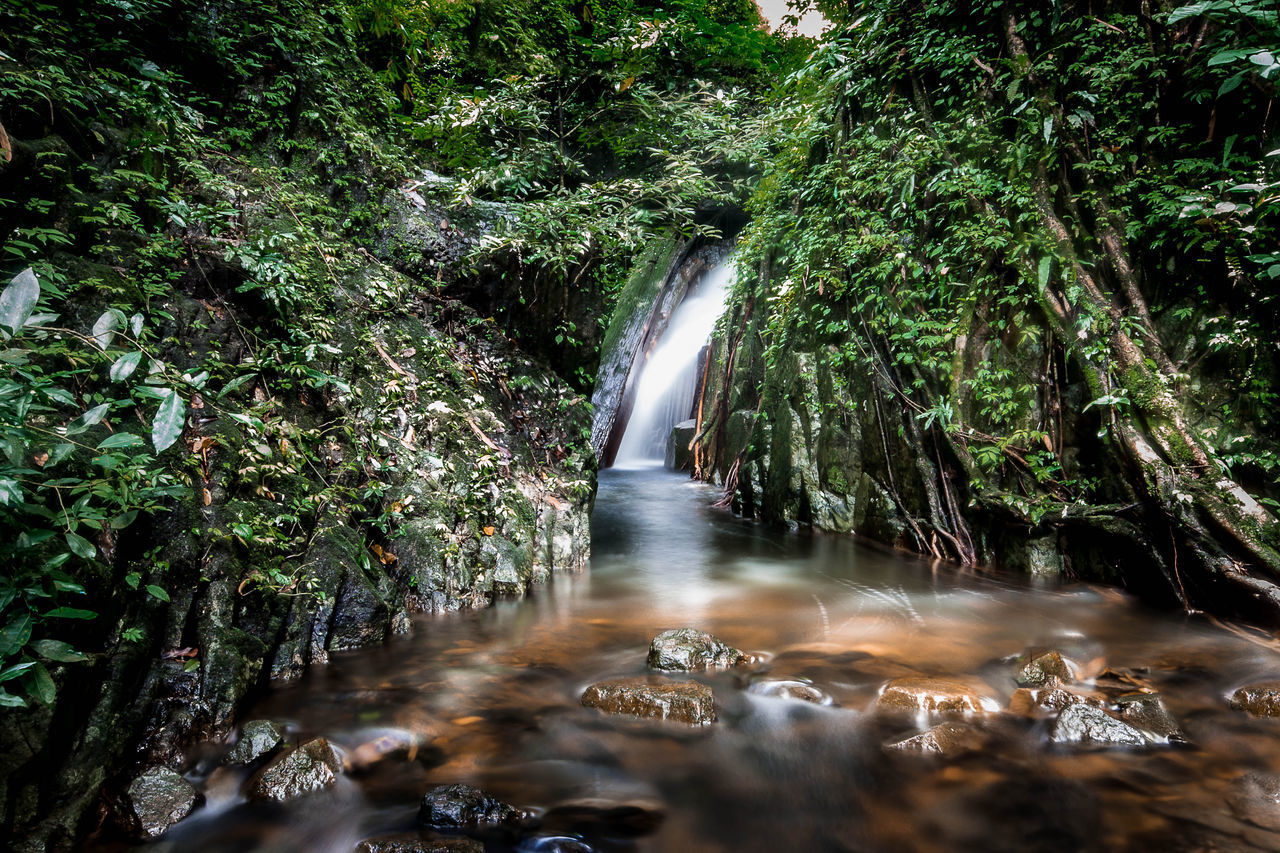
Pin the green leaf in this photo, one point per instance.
(1264, 58)
(1042, 273)
(169, 421)
(124, 366)
(90, 418)
(8, 700)
(120, 439)
(1190, 11)
(123, 520)
(104, 328)
(80, 546)
(1230, 85)
(15, 634)
(135, 324)
(58, 651)
(42, 687)
(157, 592)
(10, 492)
(18, 301)
(14, 671)
(70, 613)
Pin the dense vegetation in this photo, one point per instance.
(1047, 233)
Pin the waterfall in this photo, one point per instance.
(668, 380)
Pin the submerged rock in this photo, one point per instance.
(455, 807)
(790, 690)
(686, 649)
(605, 817)
(1261, 699)
(1146, 711)
(158, 799)
(914, 694)
(312, 766)
(1046, 669)
(415, 843)
(1029, 703)
(1086, 724)
(650, 696)
(1256, 798)
(944, 739)
(257, 738)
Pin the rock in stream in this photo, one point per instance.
(257, 738)
(687, 649)
(158, 799)
(1261, 699)
(458, 807)
(312, 766)
(652, 696)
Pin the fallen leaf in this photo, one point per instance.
(6, 147)
(208, 498)
(488, 530)
(179, 654)
(41, 458)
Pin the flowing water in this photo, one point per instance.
(668, 379)
(494, 698)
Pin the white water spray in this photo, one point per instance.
(668, 379)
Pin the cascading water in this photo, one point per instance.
(668, 380)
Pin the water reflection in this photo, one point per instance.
(491, 698)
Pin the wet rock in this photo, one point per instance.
(682, 701)
(790, 690)
(678, 454)
(257, 738)
(455, 807)
(1085, 724)
(685, 649)
(1031, 703)
(555, 844)
(1146, 711)
(933, 695)
(1261, 699)
(415, 843)
(1046, 669)
(158, 799)
(945, 739)
(312, 766)
(1256, 798)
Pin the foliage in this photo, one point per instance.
(902, 220)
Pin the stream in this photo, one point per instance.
(493, 698)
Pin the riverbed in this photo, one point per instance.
(491, 698)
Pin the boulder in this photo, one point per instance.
(1146, 711)
(650, 696)
(257, 738)
(1255, 798)
(158, 799)
(915, 694)
(1086, 724)
(946, 739)
(1030, 703)
(1045, 669)
(686, 649)
(1261, 699)
(415, 843)
(678, 456)
(312, 766)
(458, 807)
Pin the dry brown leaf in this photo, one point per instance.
(208, 497)
(41, 458)
(488, 530)
(6, 147)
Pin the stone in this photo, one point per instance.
(457, 807)
(687, 649)
(797, 690)
(257, 738)
(157, 800)
(312, 766)
(1047, 669)
(678, 454)
(415, 843)
(650, 696)
(914, 694)
(1261, 699)
(947, 739)
(1085, 724)
(1255, 798)
(1030, 703)
(1146, 711)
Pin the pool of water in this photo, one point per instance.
(491, 698)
